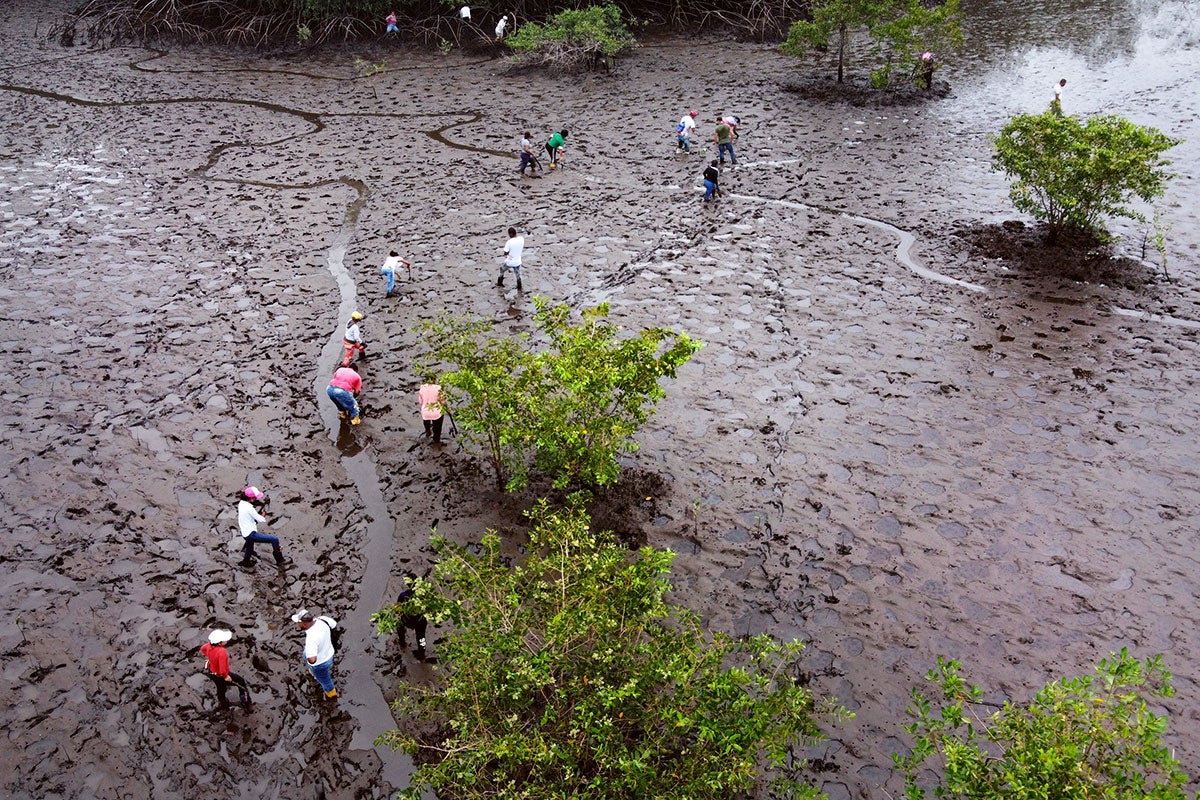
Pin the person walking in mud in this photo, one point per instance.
(684, 131)
(393, 262)
(712, 177)
(723, 138)
(430, 398)
(216, 667)
(352, 340)
(1056, 103)
(555, 146)
(410, 619)
(318, 648)
(528, 159)
(343, 390)
(512, 257)
(248, 521)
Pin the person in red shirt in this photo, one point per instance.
(217, 668)
(343, 388)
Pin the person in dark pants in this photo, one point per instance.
(217, 669)
(430, 397)
(249, 520)
(416, 622)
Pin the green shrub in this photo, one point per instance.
(1071, 173)
(1092, 737)
(573, 39)
(570, 676)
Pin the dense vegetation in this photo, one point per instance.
(261, 23)
(570, 676)
(565, 405)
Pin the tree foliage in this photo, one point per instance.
(1084, 738)
(900, 30)
(573, 39)
(568, 410)
(1072, 173)
(570, 676)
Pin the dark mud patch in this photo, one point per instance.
(859, 92)
(1028, 251)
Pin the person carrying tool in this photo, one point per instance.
(388, 270)
(528, 159)
(248, 521)
(684, 131)
(343, 388)
(555, 146)
(352, 340)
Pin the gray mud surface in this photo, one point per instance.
(897, 442)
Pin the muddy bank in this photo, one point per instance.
(893, 445)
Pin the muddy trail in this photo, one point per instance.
(897, 442)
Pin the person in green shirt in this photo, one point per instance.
(555, 146)
(724, 140)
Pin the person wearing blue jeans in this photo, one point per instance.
(343, 387)
(711, 176)
(393, 262)
(248, 521)
(318, 648)
(724, 140)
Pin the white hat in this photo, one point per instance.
(301, 616)
(220, 636)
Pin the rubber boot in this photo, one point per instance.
(355, 420)
(331, 694)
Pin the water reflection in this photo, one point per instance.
(1092, 30)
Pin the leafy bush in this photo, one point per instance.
(1080, 738)
(1071, 173)
(573, 39)
(570, 409)
(570, 676)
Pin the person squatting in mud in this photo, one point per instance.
(352, 340)
(430, 398)
(416, 622)
(344, 387)
(248, 521)
(216, 667)
(318, 648)
(712, 176)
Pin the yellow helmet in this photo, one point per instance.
(357, 315)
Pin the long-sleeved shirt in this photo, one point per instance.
(248, 518)
(348, 379)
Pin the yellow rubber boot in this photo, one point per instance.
(331, 694)
(355, 420)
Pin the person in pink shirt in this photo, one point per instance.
(391, 23)
(343, 389)
(430, 397)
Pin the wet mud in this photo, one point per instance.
(904, 437)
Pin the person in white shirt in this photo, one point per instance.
(389, 270)
(528, 159)
(684, 131)
(501, 27)
(512, 257)
(318, 648)
(1056, 103)
(248, 522)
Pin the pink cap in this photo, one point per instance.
(253, 493)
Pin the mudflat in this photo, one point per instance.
(901, 439)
